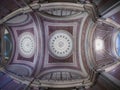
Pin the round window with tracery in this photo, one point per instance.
(60, 44)
(26, 44)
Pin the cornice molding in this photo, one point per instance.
(37, 6)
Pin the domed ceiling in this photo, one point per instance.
(60, 44)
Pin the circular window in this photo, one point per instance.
(26, 44)
(61, 44)
(118, 44)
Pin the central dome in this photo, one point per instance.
(60, 44)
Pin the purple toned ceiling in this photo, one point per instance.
(8, 6)
(31, 34)
(41, 28)
(104, 32)
(31, 55)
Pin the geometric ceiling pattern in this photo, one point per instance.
(59, 50)
(26, 44)
(51, 48)
(60, 44)
(71, 61)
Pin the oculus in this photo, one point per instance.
(60, 44)
(99, 44)
(26, 44)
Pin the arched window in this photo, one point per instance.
(5, 46)
(8, 44)
(118, 44)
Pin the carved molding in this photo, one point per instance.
(39, 7)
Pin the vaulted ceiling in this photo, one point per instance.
(8, 6)
(59, 44)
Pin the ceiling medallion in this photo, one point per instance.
(60, 44)
(26, 44)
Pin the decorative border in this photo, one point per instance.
(77, 65)
(47, 24)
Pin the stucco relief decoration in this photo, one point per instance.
(55, 44)
(26, 44)
(60, 44)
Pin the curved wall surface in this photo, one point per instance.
(61, 48)
(32, 47)
(27, 43)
